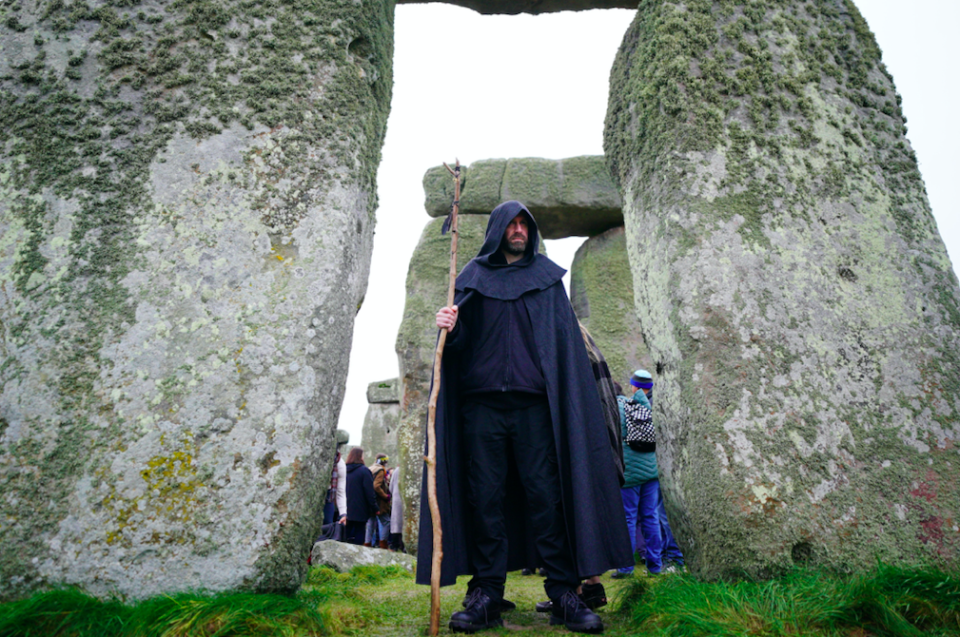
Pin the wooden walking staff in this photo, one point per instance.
(431, 457)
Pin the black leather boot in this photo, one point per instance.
(481, 613)
(505, 604)
(570, 611)
(594, 595)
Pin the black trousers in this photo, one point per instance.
(355, 532)
(490, 435)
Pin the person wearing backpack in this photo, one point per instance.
(671, 552)
(641, 488)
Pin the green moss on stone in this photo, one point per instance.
(601, 291)
(530, 179)
(80, 133)
(781, 117)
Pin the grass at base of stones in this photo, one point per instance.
(377, 601)
(887, 600)
(397, 607)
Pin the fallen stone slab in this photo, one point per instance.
(569, 197)
(341, 556)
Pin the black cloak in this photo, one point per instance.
(590, 490)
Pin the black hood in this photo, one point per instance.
(500, 218)
(489, 273)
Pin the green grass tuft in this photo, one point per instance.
(372, 601)
(323, 576)
(72, 613)
(887, 601)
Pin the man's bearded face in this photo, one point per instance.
(516, 236)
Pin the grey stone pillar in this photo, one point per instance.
(601, 291)
(381, 420)
(187, 198)
(794, 292)
(427, 280)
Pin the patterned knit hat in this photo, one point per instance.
(642, 379)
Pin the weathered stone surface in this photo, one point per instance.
(187, 197)
(569, 197)
(341, 556)
(427, 280)
(382, 420)
(513, 7)
(384, 391)
(601, 291)
(380, 426)
(479, 188)
(792, 287)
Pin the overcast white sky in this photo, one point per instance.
(479, 87)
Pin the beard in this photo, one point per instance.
(516, 245)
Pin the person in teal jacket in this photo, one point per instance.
(641, 489)
(671, 552)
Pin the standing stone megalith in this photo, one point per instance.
(187, 198)
(793, 289)
(601, 292)
(382, 420)
(427, 280)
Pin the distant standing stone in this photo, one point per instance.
(601, 291)
(382, 420)
(384, 391)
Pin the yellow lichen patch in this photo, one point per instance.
(171, 492)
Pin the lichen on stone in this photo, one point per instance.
(796, 298)
(187, 198)
(601, 292)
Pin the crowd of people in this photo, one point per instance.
(364, 502)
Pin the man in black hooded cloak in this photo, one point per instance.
(524, 468)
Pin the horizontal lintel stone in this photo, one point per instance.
(384, 391)
(569, 197)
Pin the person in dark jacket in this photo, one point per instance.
(361, 498)
(524, 471)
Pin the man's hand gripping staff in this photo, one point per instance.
(446, 321)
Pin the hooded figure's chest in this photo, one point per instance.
(502, 353)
